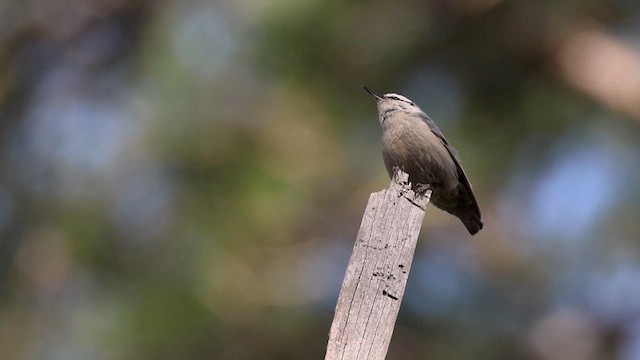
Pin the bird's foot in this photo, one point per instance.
(421, 189)
(400, 177)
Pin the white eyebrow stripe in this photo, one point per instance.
(398, 97)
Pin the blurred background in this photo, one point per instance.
(184, 179)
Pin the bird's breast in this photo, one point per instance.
(408, 143)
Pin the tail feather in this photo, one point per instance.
(473, 224)
(467, 209)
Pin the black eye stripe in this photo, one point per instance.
(399, 99)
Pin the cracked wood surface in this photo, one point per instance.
(377, 273)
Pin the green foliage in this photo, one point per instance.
(185, 179)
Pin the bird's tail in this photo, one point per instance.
(467, 209)
(472, 223)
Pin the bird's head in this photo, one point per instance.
(392, 102)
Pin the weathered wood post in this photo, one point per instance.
(377, 273)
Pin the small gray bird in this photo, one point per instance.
(413, 142)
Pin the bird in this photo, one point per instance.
(411, 141)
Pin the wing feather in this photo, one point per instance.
(462, 176)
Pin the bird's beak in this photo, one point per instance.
(375, 96)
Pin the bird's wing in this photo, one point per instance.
(454, 155)
(434, 128)
(436, 131)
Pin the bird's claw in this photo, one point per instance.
(422, 189)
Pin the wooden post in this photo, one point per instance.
(377, 273)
